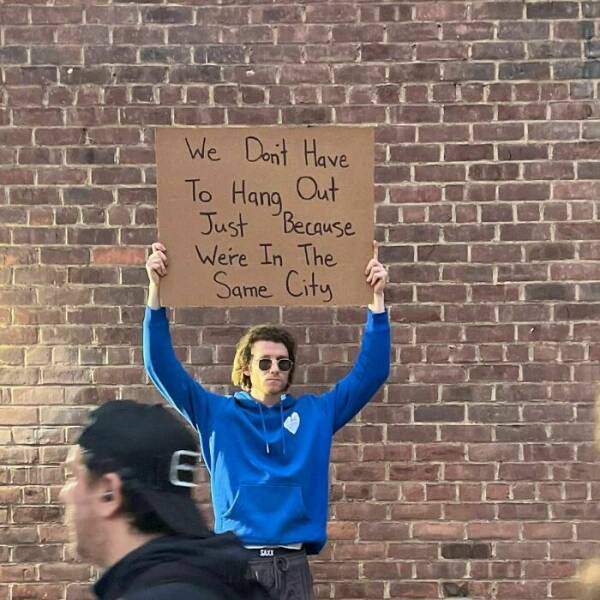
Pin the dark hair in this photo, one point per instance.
(243, 352)
(140, 514)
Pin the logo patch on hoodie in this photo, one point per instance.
(292, 423)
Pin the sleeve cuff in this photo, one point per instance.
(377, 320)
(155, 315)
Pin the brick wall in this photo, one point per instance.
(473, 474)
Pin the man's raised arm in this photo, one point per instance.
(372, 365)
(161, 363)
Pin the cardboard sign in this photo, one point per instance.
(265, 216)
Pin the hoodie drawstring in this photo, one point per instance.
(262, 416)
(264, 426)
(282, 429)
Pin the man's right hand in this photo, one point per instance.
(156, 265)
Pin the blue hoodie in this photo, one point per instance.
(269, 466)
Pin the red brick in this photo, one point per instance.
(467, 113)
(467, 273)
(461, 71)
(56, 15)
(553, 10)
(383, 531)
(330, 14)
(416, 589)
(439, 173)
(467, 31)
(497, 10)
(442, 51)
(118, 256)
(416, 114)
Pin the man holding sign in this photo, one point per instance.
(267, 451)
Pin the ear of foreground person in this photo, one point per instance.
(130, 511)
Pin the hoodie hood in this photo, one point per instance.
(221, 555)
(245, 400)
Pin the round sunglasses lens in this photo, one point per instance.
(284, 364)
(264, 364)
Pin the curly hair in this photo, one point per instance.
(243, 352)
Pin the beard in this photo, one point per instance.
(82, 542)
(276, 386)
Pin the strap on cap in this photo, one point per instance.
(177, 466)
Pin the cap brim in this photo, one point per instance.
(178, 511)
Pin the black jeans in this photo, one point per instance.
(285, 573)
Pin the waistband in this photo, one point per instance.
(267, 553)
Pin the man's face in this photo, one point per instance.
(272, 381)
(82, 502)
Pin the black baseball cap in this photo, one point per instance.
(153, 452)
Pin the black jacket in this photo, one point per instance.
(181, 568)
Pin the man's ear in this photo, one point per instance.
(110, 495)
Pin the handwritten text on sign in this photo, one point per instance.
(265, 216)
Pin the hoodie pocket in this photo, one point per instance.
(269, 513)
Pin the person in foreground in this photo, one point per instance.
(130, 510)
(588, 580)
(266, 450)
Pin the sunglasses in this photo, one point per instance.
(284, 364)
